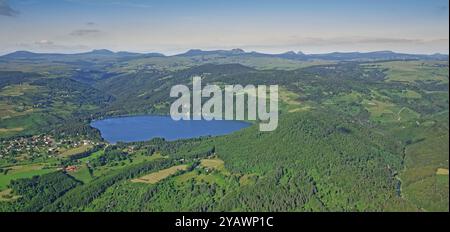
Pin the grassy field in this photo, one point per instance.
(10, 130)
(216, 164)
(136, 158)
(76, 150)
(211, 170)
(22, 171)
(12, 109)
(18, 90)
(92, 156)
(155, 177)
(7, 195)
(442, 171)
(197, 176)
(290, 101)
(410, 71)
(82, 174)
(247, 179)
(8, 110)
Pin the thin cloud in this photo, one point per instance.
(44, 43)
(6, 10)
(85, 32)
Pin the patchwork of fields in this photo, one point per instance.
(353, 136)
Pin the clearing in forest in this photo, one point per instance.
(155, 177)
(442, 171)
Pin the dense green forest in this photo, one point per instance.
(352, 136)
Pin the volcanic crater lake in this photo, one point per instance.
(144, 128)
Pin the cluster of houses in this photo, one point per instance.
(37, 145)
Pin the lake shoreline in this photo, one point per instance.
(139, 128)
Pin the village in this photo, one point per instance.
(30, 147)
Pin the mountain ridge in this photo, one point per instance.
(339, 56)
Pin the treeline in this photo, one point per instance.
(79, 198)
(111, 155)
(40, 191)
(183, 148)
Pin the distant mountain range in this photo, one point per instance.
(336, 56)
(101, 53)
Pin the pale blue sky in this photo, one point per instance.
(172, 26)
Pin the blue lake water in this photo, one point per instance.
(143, 128)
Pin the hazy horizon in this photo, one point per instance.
(207, 50)
(175, 26)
